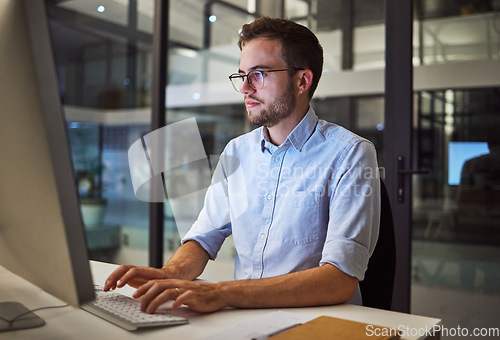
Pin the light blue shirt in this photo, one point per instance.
(313, 200)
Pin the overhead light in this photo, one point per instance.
(101, 9)
(212, 18)
(185, 52)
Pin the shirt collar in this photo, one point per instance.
(265, 143)
(299, 135)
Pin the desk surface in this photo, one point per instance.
(74, 323)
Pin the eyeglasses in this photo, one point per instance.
(255, 78)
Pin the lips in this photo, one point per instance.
(249, 103)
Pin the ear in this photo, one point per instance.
(305, 80)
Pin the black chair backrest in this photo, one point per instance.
(378, 284)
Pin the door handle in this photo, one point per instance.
(402, 172)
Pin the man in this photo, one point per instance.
(312, 190)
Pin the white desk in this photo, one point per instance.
(74, 323)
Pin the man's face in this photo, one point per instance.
(276, 100)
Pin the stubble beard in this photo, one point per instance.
(281, 108)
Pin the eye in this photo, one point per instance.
(256, 75)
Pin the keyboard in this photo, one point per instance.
(125, 312)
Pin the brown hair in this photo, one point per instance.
(300, 47)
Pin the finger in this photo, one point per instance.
(148, 293)
(113, 278)
(134, 276)
(154, 294)
(165, 296)
(166, 283)
(142, 289)
(203, 300)
(137, 276)
(195, 302)
(183, 299)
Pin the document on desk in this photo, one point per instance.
(262, 327)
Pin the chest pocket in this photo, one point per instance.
(299, 216)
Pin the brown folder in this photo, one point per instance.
(328, 328)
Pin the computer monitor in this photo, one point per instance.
(42, 236)
(458, 153)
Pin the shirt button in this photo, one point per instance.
(256, 274)
(262, 236)
(269, 197)
(277, 158)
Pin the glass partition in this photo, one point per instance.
(456, 240)
(103, 56)
(457, 31)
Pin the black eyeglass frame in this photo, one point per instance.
(262, 72)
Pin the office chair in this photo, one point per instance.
(378, 284)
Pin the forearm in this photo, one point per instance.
(188, 262)
(325, 285)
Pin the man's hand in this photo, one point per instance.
(199, 296)
(134, 276)
(187, 263)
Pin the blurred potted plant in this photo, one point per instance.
(92, 204)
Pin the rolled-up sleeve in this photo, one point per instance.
(354, 213)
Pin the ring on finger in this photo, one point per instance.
(178, 291)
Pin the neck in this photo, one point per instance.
(279, 132)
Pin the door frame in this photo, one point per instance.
(398, 138)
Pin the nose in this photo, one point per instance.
(246, 88)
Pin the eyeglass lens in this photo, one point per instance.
(255, 79)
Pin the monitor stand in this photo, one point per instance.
(22, 316)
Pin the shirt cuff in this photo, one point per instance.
(210, 241)
(347, 255)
